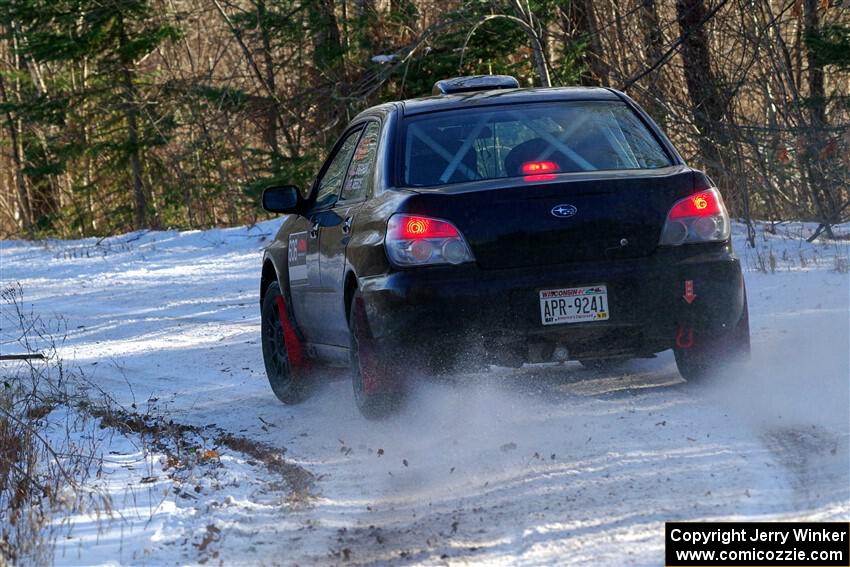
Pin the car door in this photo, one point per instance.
(308, 295)
(302, 258)
(336, 234)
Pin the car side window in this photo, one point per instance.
(330, 183)
(356, 185)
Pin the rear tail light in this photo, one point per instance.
(701, 217)
(414, 240)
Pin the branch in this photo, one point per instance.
(238, 35)
(673, 48)
(526, 27)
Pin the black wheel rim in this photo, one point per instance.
(275, 343)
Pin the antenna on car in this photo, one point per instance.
(474, 83)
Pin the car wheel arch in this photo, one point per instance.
(272, 274)
(268, 276)
(348, 294)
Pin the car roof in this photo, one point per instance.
(422, 105)
(503, 96)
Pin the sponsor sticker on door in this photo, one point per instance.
(297, 257)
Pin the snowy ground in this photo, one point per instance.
(546, 464)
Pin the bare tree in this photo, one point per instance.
(707, 102)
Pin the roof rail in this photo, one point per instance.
(474, 83)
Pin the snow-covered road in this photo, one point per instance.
(548, 464)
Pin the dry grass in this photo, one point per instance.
(48, 472)
(42, 478)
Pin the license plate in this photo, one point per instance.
(574, 304)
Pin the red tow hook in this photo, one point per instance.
(294, 349)
(681, 340)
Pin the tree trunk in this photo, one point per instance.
(818, 174)
(88, 166)
(584, 21)
(782, 66)
(15, 130)
(817, 98)
(15, 135)
(653, 39)
(706, 102)
(329, 64)
(535, 37)
(272, 112)
(327, 44)
(132, 115)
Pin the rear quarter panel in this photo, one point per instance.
(366, 256)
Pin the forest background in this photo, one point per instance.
(132, 114)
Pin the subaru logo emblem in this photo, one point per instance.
(563, 211)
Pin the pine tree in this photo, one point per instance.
(110, 39)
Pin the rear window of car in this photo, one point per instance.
(507, 141)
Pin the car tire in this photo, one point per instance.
(377, 382)
(275, 354)
(710, 355)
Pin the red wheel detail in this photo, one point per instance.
(298, 361)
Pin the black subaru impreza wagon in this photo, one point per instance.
(502, 225)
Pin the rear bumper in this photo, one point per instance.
(497, 309)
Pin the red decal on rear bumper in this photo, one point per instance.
(685, 337)
(689, 291)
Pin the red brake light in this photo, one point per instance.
(532, 167)
(703, 204)
(539, 170)
(415, 228)
(700, 217)
(414, 240)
